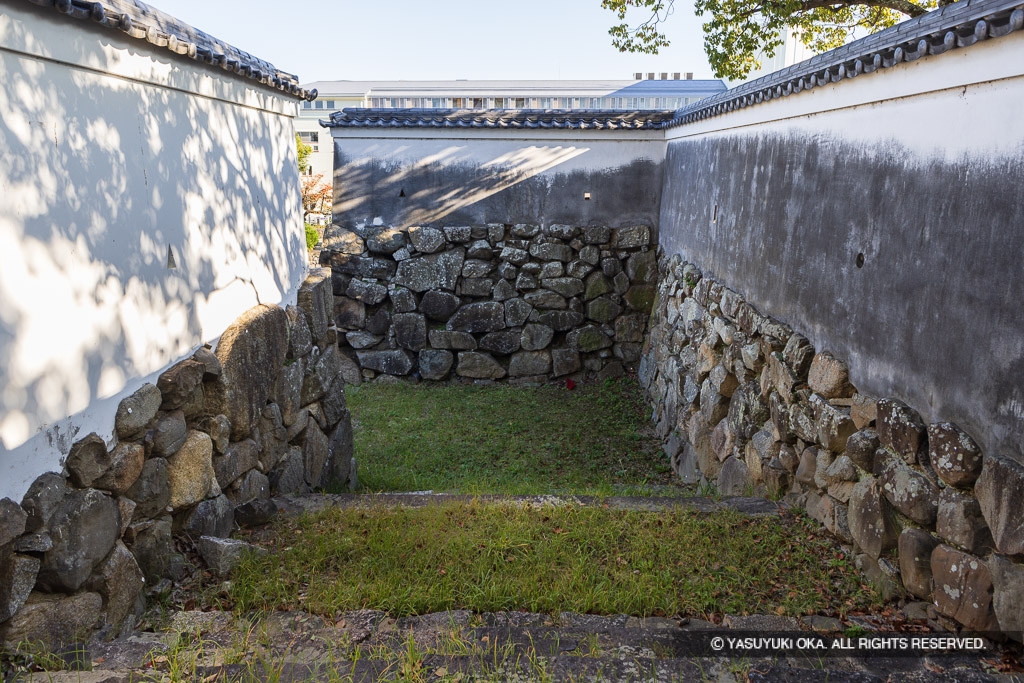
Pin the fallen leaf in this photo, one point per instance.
(441, 673)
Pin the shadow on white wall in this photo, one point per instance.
(136, 222)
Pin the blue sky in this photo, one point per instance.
(443, 39)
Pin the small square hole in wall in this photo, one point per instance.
(171, 263)
(714, 216)
(586, 196)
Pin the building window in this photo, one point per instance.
(499, 102)
(478, 103)
(307, 104)
(319, 104)
(308, 137)
(520, 103)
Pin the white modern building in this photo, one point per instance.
(662, 91)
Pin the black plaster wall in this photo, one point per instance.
(934, 316)
(463, 193)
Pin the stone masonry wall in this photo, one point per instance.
(196, 454)
(488, 302)
(746, 402)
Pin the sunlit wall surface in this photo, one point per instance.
(145, 201)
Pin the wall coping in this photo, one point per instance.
(591, 119)
(161, 30)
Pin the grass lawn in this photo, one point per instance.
(595, 439)
(551, 559)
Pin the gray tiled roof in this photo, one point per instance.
(596, 119)
(142, 22)
(519, 88)
(954, 26)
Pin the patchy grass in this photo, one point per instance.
(500, 439)
(550, 559)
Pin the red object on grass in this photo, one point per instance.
(569, 384)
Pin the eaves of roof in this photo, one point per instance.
(579, 119)
(142, 22)
(952, 27)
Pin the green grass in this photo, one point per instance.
(312, 236)
(501, 439)
(549, 559)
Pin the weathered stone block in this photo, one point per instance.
(437, 271)
(551, 251)
(915, 549)
(479, 366)
(829, 377)
(603, 310)
(435, 364)
(446, 339)
(315, 451)
(528, 363)
(151, 491)
(136, 411)
(438, 305)
(954, 455)
(1000, 492)
(535, 337)
(178, 382)
(54, 621)
(211, 517)
(1008, 595)
(560, 321)
(517, 312)
(252, 351)
(222, 555)
(251, 485)
(861, 448)
(289, 475)
(478, 318)
(425, 239)
(315, 298)
(587, 339)
(300, 339)
(901, 429)
(502, 342)
(545, 300)
(396, 362)
(239, 458)
(190, 471)
(564, 362)
(87, 462)
(908, 490)
(640, 297)
(963, 588)
(734, 478)
(631, 237)
(961, 523)
(871, 523)
(410, 330)
(369, 292)
(169, 434)
(349, 314)
(83, 529)
(126, 461)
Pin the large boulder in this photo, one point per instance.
(410, 330)
(252, 351)
(212, 517)
(961, 523)
(83, 528)
(127, 460)
(385, 240)
(908, 490)
(315, 452)
(527, 363)
(438, 305)
(426, 239)
(829, 377)
(1000, 491)
(179, 382)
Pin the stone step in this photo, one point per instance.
(294, 505)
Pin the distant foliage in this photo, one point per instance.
(312, 236)
(317, 195)
(304, 151)
(738, 31)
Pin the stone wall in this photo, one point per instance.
(746, 402)
(195, 455)
(489, 302)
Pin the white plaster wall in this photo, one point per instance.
(505, 158)
(113, 155)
